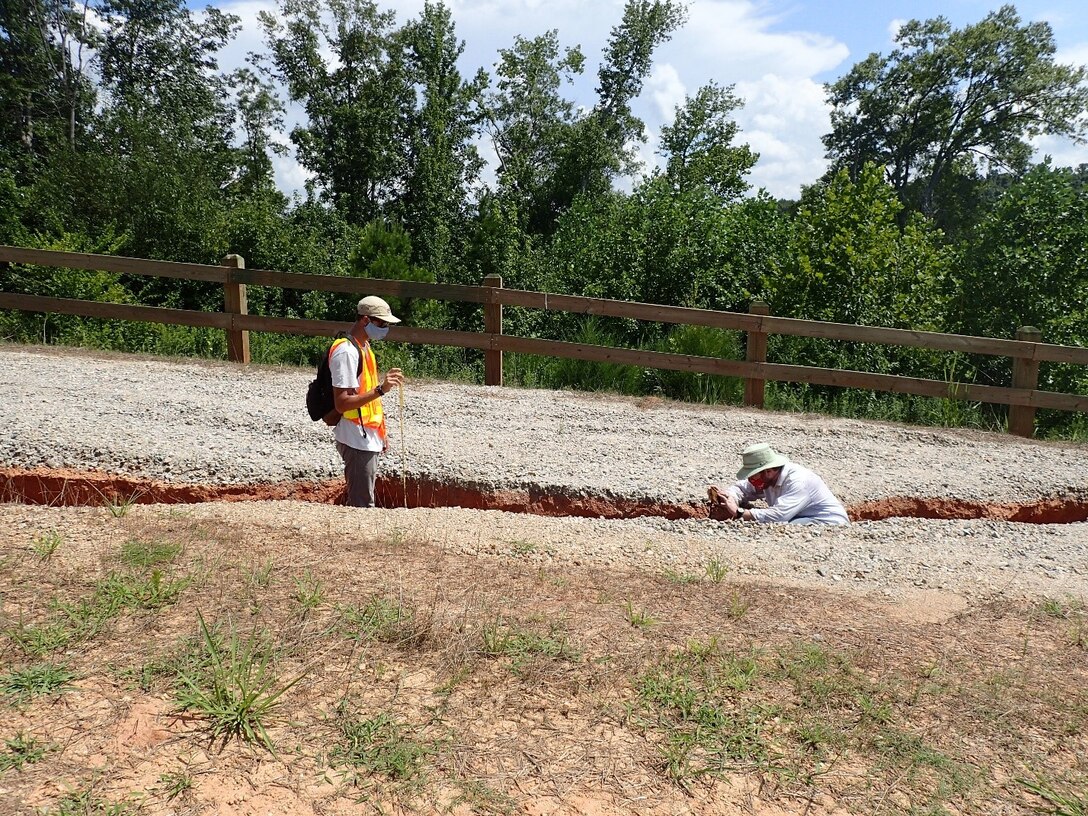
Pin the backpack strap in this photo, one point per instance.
(358, 348)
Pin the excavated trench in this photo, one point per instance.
(59, 487)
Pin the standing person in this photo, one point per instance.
(794, 494)
(360, 434)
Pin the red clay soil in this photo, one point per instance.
(87, 488)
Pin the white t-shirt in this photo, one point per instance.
(343, 365)
(798, 494)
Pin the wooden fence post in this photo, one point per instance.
(1025, 374)
(756, 353)
(234, 302)
(493, 325)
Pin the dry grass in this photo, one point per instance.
(403, 678)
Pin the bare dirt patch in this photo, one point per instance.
(431, 679)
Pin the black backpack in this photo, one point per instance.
(319, 400)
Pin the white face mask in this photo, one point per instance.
(376, 332)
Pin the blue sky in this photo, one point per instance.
(777, 54)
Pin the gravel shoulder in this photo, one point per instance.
(200, 422)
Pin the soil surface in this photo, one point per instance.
(81, 427)
(983, 598)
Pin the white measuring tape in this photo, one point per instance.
(403, 445)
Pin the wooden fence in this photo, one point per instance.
(1027, 351)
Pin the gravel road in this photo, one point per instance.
(201, 422)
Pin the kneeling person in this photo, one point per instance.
(794, 494)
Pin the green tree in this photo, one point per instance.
(529, 123)
(354, 142)
(947, 103)
(698, 146)
(849, 261)
(443, 162)
(161, 153)
(1027, 264)
(260, 115)
(45, 94)
(549, 153)
(601, 145)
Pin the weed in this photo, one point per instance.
(910, 754)
(820, 676)
(555, 579)
(873, 711)
(737, 673)
(21, 750)
(681, 578)
(454, 680)
(117, 591)
(381, 619)
(141, 554)
(261, 576)
(41, 678)
(717, 570)
(703, 733)
(309, 591)
(380, 745)
(700, 649)
(175, 783)
(84, 618)
(519, 644)
(815, 734)
(46, 544)
(1063, 803)
(482, 799)
(119, 505)
(522, 548)
(85, 803)
(737, 606)
(237, 690)
(640, 618)
(39, 640)
(1078, 635)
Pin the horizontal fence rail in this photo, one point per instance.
(1027, 351)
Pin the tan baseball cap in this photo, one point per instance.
(374, 306)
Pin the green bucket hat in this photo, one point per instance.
(758, 458)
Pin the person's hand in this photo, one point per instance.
(732, 506)
(393, 378)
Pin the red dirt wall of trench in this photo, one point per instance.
(44, 486)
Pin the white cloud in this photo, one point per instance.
(667, 91)
(783, 121)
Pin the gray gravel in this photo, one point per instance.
(218, 423)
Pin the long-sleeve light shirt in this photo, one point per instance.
(798, 495)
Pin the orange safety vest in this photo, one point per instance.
(371, 414)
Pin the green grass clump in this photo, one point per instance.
(36, 680)
(638, 617)
(1059, 802)
(117, 592)
(381, 745)
(47, 543)
(75, 621)
(84, 803)
(232, 683)
(20, 750)
(520, 644)
(379, 619)
(309, 591)
(142, 554)
(175, 783)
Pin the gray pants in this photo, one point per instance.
(360, 473)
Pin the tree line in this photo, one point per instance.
(121, 134)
